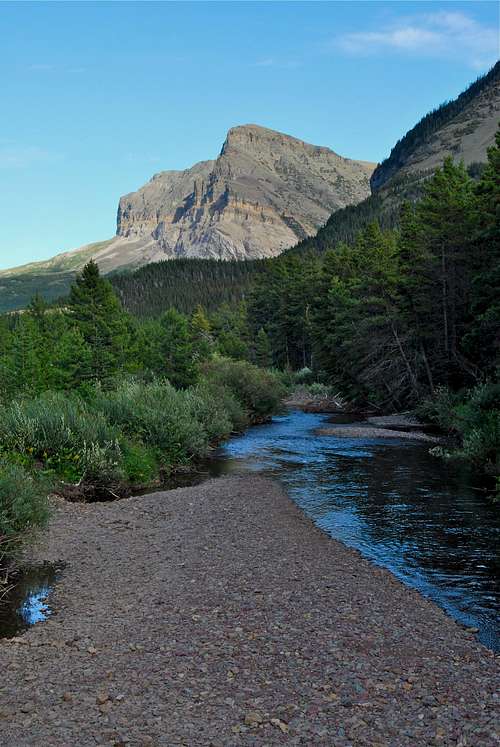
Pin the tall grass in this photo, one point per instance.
(23, 506)
(138, 429)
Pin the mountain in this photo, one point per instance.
(463, 128)
(264, 192)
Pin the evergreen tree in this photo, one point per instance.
(483, 338)
(263, 351)
(230, 329)
(444, 262)
(98, 315)
(201, 335)
(177, 349)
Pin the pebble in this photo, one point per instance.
(269, 633)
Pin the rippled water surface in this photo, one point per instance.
(390, 499)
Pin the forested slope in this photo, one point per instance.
(185, 284)
(462, 128)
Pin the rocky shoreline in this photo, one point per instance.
(367, 431)
(220, 615)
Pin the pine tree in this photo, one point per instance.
(201, 335)
(177, 349)
(263, 352)
(231, 332)
(483, 339)
(97, 313)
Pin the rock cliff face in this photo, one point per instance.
(463, 129)
(264, 192)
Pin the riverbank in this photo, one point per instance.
(302, 398)
(367, 431)
(220, 615)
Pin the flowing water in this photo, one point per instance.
(401, 507)
(389, 498)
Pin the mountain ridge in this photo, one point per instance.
(264, 191)
(462, 128)
(145, 228)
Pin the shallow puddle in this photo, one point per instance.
(25, 603)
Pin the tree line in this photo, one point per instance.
(185, 284)
(92, 339)
(396, 314)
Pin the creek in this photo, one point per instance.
(418, 516)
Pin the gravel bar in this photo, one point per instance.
(220, 615)
(363, 431)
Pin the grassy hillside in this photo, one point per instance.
(51, 278)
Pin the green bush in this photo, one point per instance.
(140, 463)
(259, 391)
(63, 434)
(106, 436)
(23, 505)
(156, 414)
(474, 416)
(439, 409)
(216, 407)
(304, 376)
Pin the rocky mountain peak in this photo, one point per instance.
(265, 191)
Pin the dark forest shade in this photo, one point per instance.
(185, 284)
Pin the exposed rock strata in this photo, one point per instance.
(265, 191)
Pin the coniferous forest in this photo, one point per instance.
(250, 374)
(406, 318)
(97, 396)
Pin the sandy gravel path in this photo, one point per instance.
(219, 615)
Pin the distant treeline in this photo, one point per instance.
(185, 284)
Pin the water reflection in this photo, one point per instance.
(390, 499)
(26, 602)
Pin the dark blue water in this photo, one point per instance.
(393, 501)
(25, 602)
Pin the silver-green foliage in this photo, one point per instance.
(64, 434)
(23, 505)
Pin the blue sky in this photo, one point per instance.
(97, 97)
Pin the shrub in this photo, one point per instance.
(220, 412)
(475, 417)
(140, 463)
(23, 505)
(439, 408)
(304, 376)
(64, 434)
(259, 391)
(156, 414)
